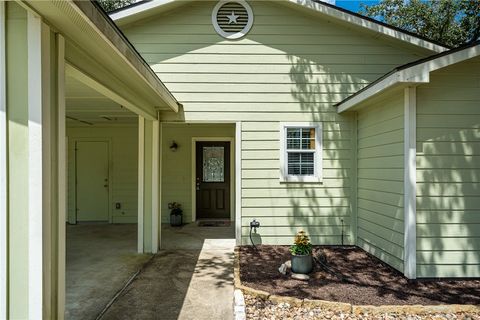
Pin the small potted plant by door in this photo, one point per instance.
(176, 214)
(301, 250)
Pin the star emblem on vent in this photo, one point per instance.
(232, 18)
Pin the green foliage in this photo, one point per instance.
(452, 22)
(301, 244)
(110, 5)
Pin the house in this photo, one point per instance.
(295, 113)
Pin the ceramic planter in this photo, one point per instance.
(302, 263)
(176, 218)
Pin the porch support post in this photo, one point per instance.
(410, 240)
(148, 186)
(62, 176)
(141, 157)
(155, 186)
(35, 165)
(29, 157)
(3, 169)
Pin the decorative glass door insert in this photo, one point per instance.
(213, 164)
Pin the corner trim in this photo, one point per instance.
(410, 223)
(3, 168)
(238, 183)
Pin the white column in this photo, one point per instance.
(35, 194)
(141, 165)
(3, 169)
(410, 240)
(238, 183)
(61, 175)
(155, 185)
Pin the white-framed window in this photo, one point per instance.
(301, 152)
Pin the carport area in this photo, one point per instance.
(102, 207)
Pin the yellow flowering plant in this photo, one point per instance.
(301, 244)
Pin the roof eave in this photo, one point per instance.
(412, 75)
(132, 13)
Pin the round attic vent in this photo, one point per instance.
(232, 19)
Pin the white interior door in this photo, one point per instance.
(92, 180)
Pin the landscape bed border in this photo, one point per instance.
(347, 307)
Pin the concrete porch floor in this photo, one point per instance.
(100, 259)
(190, 278)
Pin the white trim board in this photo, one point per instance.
(36, 89)
(141, 179)
(238, 183)
(143, 10)
(233, 192)
(410, 183)
(416, 74)
(155, 185)
(3, 168)
(62, 161)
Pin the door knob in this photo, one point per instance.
(105, 185)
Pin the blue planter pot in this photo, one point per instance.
(302, 263)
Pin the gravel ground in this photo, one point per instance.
(259, 309)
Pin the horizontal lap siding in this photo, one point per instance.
(448, 173)
(284, 209)
(123, 166)
(380, 180)
(290, 67)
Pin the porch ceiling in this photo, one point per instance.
(86, 107)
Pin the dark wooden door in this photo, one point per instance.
(213, 180)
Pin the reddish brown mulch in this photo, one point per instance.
(367, 280)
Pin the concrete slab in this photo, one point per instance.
(100, 259)
(190, 278)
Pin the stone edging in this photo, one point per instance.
(347, 307)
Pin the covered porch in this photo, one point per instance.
(64, 85)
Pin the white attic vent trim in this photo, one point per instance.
(232, 19)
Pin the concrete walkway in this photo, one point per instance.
(192, 278)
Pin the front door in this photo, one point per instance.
(213, 180)
(92, 180)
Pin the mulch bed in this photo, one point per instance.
(366, 280)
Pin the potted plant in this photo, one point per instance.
(176, 214)
(301, 250)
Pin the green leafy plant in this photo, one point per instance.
(175, 207)
(301, 244)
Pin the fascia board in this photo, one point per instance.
(416, 74)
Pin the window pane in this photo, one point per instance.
(293, 143)
(213, 164)
(301, 138)
(293, 132)
(301, 163)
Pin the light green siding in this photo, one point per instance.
(123, 166)
(380, 180)
(290, 67)
(448, 173)
(177, 166)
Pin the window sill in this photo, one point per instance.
(300, 179)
